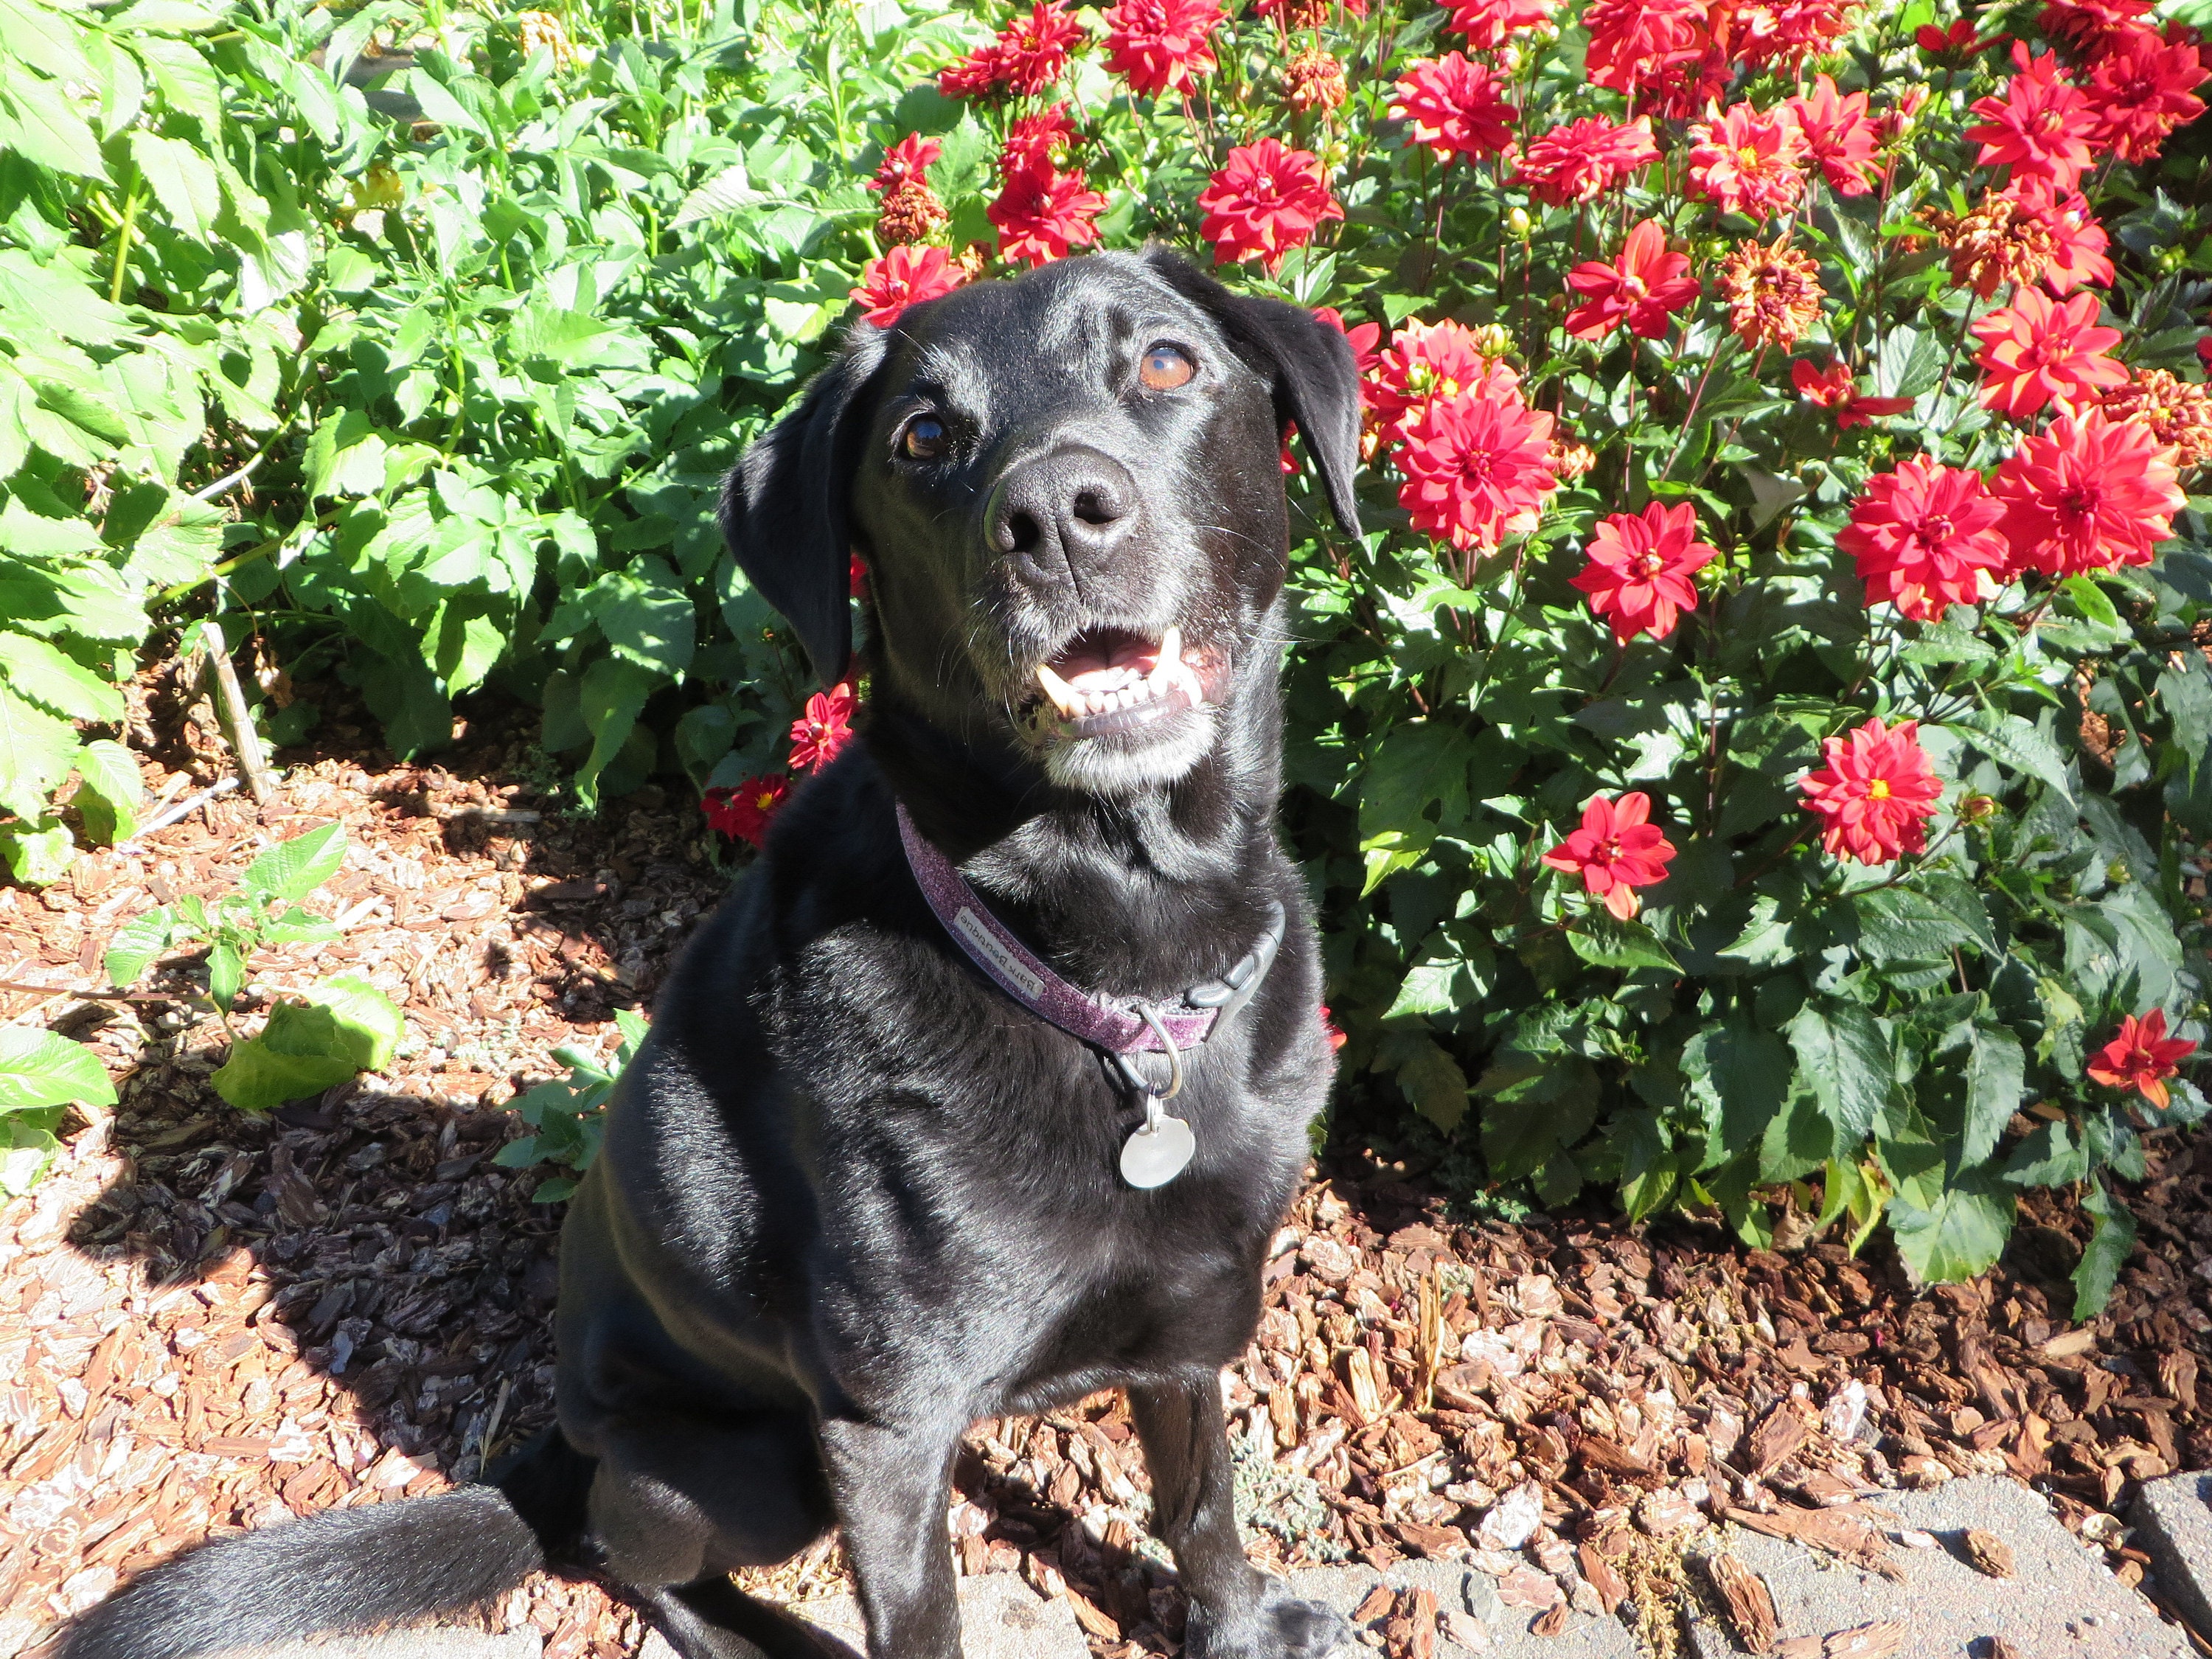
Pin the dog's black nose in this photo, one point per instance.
(1067, 510)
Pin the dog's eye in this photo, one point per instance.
(923, 439)
(1164, 367)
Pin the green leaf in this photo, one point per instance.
(2109, 1248)
(2011, 741)
(135, 945)
(648, 617)
(1997, 1074)
(370, 1020)
(38, 1068)
(36, 752)
(109, 791)
(1961, 1235)
(291, 870)
(226, 967)
(183, 182)
(1844, 1059)
(1740, 1076)
(1603, 942)
(1432, 1081)
(27, 1149)
(1899, 925)
(57, 682)
(2050, 1156)
(304, 1049)
(37, 121)
(38, 854)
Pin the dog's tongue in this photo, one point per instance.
(1107, 661)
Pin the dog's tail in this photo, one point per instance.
(351, 1570)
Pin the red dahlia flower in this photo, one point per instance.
(1477, 469)
(2141, 90)
(2077, 240)
(1833, 388)
(1786, 33)
(1957, 41)
(1455, 107)
(1489, 24)
(1839, 136)
(1028, 57)
(1161, 46)
(2142, 1057)
(2088, 494)
(1307, 13)
(1577, 162)
(1041, 213)
(905, 276)
(1923, 535)
(747, 811)
(1043, 140)
(1640, 566)
(1746, 161)
(2040, 127)
(1364, 358)
(2040, 351)
(906, 162)
(1876, 793)
(1427, 362)
(1642, 289)
(1265, 200)
(823, 729)
(2090, 25)
(1650, 47)
(1617, 850)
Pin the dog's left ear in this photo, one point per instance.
(1308, 367)
(788, 510)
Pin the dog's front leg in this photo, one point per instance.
(890, 1484)
(1237, 1611)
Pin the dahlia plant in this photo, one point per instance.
(1755, 759)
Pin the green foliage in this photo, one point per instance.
(41, 1074)
(342, 1026)
(569, 1116)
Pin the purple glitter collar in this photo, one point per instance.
(1118, 1027)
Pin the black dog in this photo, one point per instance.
(853, 1195)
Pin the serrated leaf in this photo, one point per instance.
(2011, 741)
(1997, 1072)
(38, 1068)
(1899, 925)
(2109, 1245)
(38, 854)
(1433, 1080)
(725, 192)
(109, 791)
(371, 1020)
(55, 681)
(1844, 1059)
(183, 182)
(304, 1049)
(1603, 942)
(137, 945)
(291, 870)
(36, 752)
(1961, 1235)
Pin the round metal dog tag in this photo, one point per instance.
(1157, 1153)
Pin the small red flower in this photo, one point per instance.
(1659, 50)
(1043, 140)
(823, 729)
(2040, 351)
(2087, 494)
(2077, 240)
(1489, 24)
(905, 276)
(1161, 46)
(1641, 289)
(1427, 362)
(1363, 335)
(906, 162)
(1581, 160)
(1746, 161)
(1955, 41)
(1041, 214)
(2142, 1057)
(2141, 89)
(1265, 200)
(744, 812)
(1640, 566)
(1455, 107)
(1833, 388)
(1027, 57)
(2090, 25)
(1336, 1037)
(1617, 850)
(1922, 537)
(1477, 469)
(1839, 136)
(2040, 127)
(1876, 793)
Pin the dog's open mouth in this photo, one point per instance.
(1114, 679)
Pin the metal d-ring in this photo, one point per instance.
(1174, 1055)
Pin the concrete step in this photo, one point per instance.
(2061, 1601)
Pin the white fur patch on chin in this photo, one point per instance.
(1106, 766)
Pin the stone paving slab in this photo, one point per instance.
(420, 1644)
(2060, 1603)
(1000, 1617)
(2172, 1519)
(1475, 1594)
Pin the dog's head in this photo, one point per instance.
(1068, 491)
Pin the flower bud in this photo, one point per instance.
(1516, 221)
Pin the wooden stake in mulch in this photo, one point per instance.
(236, 720)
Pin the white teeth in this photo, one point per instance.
(1171, 646)
(1065, 697)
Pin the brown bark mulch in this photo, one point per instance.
(209, 1322)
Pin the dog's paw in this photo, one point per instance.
(1280, 1628)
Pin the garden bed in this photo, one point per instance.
(212, 1321)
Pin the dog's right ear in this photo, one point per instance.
(788, 510)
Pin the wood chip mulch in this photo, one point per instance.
(209, 1322)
